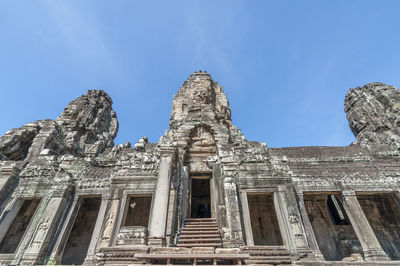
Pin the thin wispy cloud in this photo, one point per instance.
(81, 31)
(285, 67)
(208, 37)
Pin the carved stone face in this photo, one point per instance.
(201, 94)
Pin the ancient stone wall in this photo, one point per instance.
(273, 205)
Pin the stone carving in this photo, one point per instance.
(133, 235)
(41, 232)
(373, 112)
(200, 99)
(297, 230)
(142, 143)
(74, 158)
(89, 120)
(14, 145)
(109, 225)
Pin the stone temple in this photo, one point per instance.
(203, 194)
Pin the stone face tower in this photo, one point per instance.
(68, 195)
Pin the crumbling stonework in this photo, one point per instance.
(203, 192)
(373, 112)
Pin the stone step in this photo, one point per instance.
(192, 232)
(199, 240)
(199, 219)
(198, 235)
(201, 226)
(201, 223)
(205, 230)
(217, 245)
(200, 232)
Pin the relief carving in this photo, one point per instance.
(41, 233)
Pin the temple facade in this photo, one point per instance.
(203, 193)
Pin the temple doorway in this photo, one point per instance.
(201, 199)
(79, 239)
(264, 222)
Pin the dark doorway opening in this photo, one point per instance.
(18, 227)
(333, 231)
(383, 214)
(201, 201)
(264, 222)
(81, 233)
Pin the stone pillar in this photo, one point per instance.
(283, 220)
(246, 219)
(312, 241)
(298, 234)
(109, 230)
(30, 231)
(45, 230)
(91, 252)
(370, 244)
(218, 196)
(61, 241)
(159, 210)
(171, 228)
(235, 235)
(185, 195)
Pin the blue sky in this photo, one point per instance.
(285, 65)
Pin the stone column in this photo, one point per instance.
(159, 210)
(312, 241)
(235, 234)
(45, 230)
(109, 231)
(185, 195)
(30, 232)
(370, 244)
(61, 241)
(91, 252)
(246, 219)
(283, 220)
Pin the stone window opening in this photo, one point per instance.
(137, 210)
(15, 225)
(336, 211)
(135, 220)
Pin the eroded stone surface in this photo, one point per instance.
(373, 112)
(62, 162)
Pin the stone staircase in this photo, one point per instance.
(267, 255)
(199, 232)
